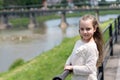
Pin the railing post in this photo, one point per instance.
(116, 30)
(118, 24)
(111, 40)
(101, 72)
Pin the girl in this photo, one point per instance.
(87, 52)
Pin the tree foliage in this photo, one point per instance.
(9, 3)
(1, 2)
(21, 2)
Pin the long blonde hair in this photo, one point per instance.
(97, 36)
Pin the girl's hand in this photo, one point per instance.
(68, 67)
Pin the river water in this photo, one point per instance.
(27, 44)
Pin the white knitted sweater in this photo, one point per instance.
(83, 59)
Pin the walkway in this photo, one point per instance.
(112, 69)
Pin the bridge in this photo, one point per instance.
(32, 13)
(110, 68)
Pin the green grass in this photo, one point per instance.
(103, 26)
(47, 65)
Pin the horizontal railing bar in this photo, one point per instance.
(105, 29)
(62, 76)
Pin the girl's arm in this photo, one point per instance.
(68, 62)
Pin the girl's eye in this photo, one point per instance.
(81, 29)
(87, 29)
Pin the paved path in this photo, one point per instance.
(112, 69)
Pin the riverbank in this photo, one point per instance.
(46, 65)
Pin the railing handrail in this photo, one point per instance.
(62, 76)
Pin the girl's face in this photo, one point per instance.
(86, 30)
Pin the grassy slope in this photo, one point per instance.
(45, 66)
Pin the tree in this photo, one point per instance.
(1, 2)
(21, 2)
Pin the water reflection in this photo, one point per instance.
(41, 29)
(27, 44)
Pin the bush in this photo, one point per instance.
(17, 63)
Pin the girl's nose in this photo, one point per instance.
(84, 31)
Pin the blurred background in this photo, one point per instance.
(31, 27)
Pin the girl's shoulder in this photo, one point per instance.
(89, 44)
(85, 46)
(80, 42)
(91, 47)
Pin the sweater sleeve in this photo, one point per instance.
(68, 62)
(90, 65)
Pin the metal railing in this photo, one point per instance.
(112, 30)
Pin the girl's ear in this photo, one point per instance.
(95, 29)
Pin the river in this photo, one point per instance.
(27, 44)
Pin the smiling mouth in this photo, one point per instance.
(85, 35)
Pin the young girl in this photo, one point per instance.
(87, 52)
